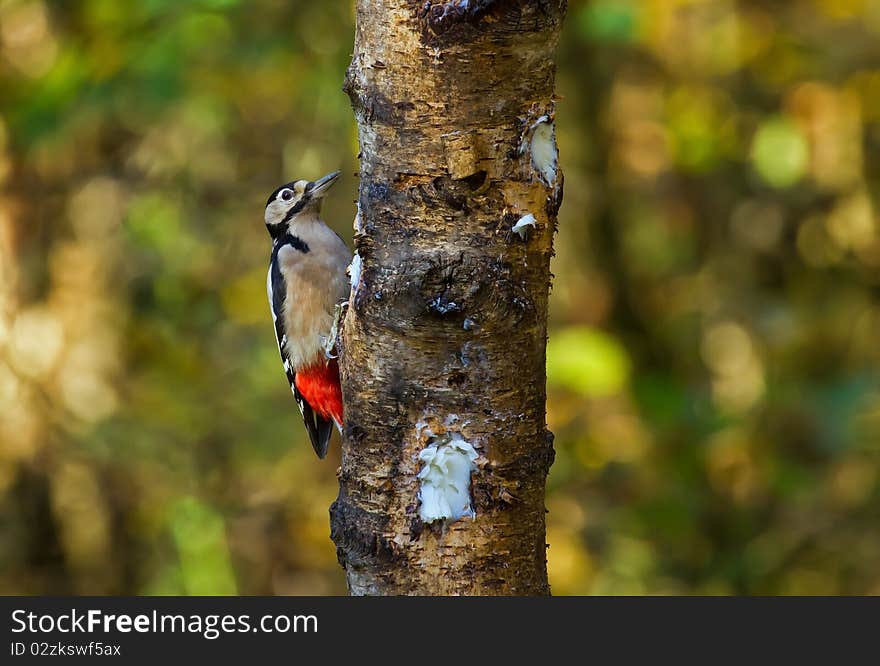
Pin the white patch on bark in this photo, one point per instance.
(445, 479)
(523, 225)
(544, 153)
(354, 271)
(357, 220)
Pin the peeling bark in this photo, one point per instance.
(446, 326)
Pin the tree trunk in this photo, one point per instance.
(443, 344)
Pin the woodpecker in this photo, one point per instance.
(306, 282)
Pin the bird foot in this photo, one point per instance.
(329, 343)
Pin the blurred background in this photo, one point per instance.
(714, 359)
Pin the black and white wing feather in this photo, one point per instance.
(319, 429)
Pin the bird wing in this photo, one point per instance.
(319, 428)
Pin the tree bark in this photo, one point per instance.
(444, 338)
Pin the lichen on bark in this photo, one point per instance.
(446, 326)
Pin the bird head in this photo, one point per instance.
(295, 200)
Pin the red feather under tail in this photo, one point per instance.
(319, 385)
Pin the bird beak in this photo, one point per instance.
(319, 187)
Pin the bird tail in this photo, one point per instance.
(320, 387)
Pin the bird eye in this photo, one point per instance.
(287, 195)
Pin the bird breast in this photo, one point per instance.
(315, 282)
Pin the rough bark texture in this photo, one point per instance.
(446, 327)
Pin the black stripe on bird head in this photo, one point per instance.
(274, 195)
(296, 208)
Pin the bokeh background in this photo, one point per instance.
(714, 361)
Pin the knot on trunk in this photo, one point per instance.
(438, 18)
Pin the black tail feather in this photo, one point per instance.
(319, 430)
(322, 442)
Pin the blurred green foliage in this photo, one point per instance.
(715, 325)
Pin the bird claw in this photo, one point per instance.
(330, 341)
